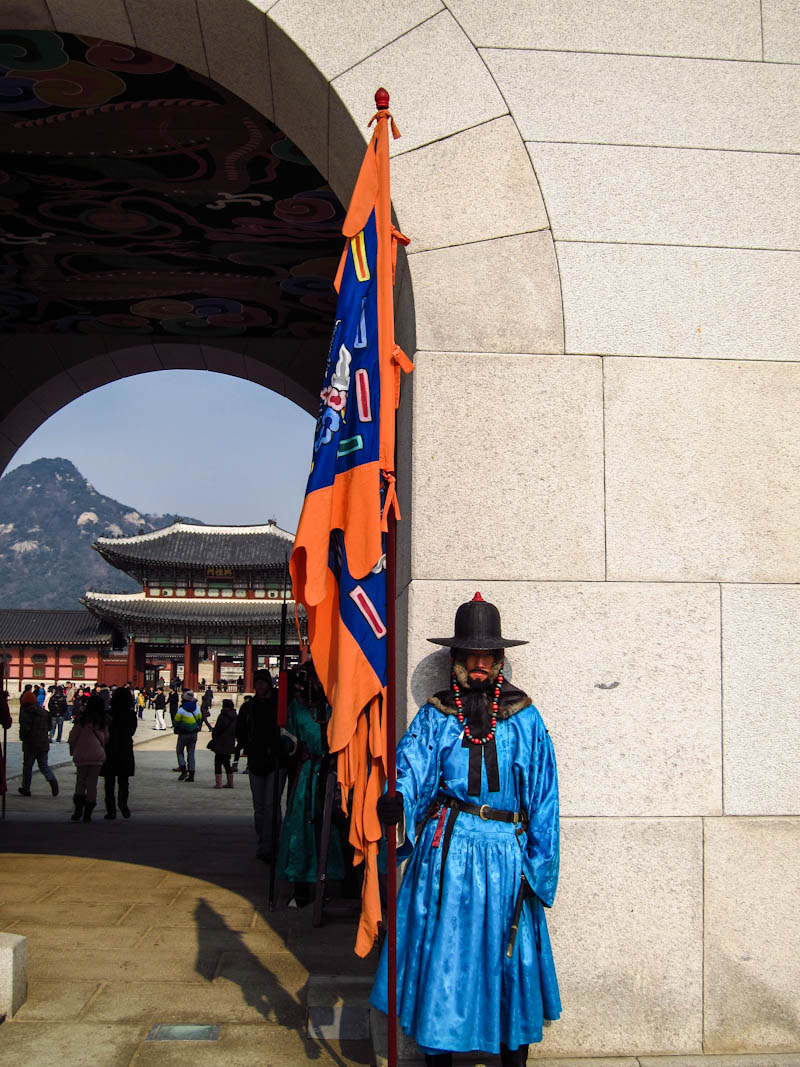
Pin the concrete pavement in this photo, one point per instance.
(160, 919)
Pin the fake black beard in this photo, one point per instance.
(480, 685)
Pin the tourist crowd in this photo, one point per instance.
(99, 723)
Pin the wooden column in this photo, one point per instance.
(187, 663)
(21, 671)
(58, 664)
(140, 664)
(194, 666)
(131, 659)
(248, 667)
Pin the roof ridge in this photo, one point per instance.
(50, 611)
(188, 527)
(141, 598)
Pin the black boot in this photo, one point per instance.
(183, 775)
(516, 1057)
(111, 807)
(77, 814)
(88, 808)
(441, 1059)
(190, 776)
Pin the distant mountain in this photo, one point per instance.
(49, 517)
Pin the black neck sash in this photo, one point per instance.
(478, 755)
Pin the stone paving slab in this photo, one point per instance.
(75, 1044)
(52, 936)
(54, 999)
(244, 1046)
(262, 942)
(761, 1059)
(89, 914)
(201, 1002)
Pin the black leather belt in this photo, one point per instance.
(483, 810)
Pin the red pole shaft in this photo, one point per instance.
(391, 775)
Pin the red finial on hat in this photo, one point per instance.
(381, 99)
(477, 597)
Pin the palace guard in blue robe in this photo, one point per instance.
(477, 799)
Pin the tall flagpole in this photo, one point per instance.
(391, 778)
(383, 209)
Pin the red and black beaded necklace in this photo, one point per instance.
(460, 709)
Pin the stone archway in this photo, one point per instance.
(482, 265)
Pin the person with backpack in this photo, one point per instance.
(187, 723)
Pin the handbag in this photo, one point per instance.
(212, 744)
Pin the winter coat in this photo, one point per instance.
(87, 745)
(224, 732)
(160, 702)
(258, 735)
(58, 705)
(5, 714)
(122, 723)
(34, 725)
(188, 718)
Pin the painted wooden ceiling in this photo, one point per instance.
(139, 198)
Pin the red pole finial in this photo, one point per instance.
(382, 100)
(477, 597)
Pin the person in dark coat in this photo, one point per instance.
(259, 737)
(205, 706)
(223, 739)
(57, 706)
(119, 766)
(160, 706)
(173, 700)
(34, 733)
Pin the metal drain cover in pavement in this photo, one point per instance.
(184, 1032)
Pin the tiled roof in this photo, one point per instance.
(190, 611)
(185, 545)
(43, 627)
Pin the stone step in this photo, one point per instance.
(13, 974)
(337, 1008)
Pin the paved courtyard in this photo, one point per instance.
(160, 919)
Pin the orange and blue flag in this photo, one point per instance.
(338, 561)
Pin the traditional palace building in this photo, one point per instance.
(43, 646)
(210, 608)
(210, 595)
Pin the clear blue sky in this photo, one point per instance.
(195, 443)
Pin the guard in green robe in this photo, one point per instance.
(302, 824)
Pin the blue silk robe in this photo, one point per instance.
(456, 988)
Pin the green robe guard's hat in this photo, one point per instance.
(477, 628)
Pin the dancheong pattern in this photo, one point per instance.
(139, 198)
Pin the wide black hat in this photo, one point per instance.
(477, 628)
